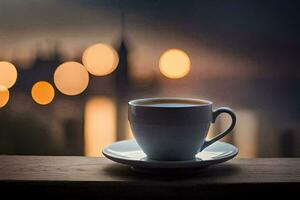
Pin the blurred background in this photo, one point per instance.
(68, 69)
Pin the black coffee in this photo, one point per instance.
(172, 103)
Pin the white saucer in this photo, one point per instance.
(129, 153)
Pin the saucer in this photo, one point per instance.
(129, 153)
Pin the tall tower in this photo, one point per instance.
(122, 83)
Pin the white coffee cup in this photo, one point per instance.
(174, 129)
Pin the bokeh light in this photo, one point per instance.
(4, 96)
(100, 59)
(71, 78)
(42, 92)
(174, 63)
(99, 124)
(8, 74)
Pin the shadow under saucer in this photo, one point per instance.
(134, 173)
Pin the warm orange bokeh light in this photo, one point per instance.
(99, 125)
(100, 59)
(42, 92)
(174, 63)
(8, 74)
(4, 96)
(71, 78)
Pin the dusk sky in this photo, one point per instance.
(264, 34)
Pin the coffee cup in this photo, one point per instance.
(174, 129)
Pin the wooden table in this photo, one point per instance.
(53, 176)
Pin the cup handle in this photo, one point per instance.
(216, 113)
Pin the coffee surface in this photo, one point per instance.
(172, 105)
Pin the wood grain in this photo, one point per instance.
(83, 176)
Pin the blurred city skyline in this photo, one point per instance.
(247, 44)
(243, 55)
